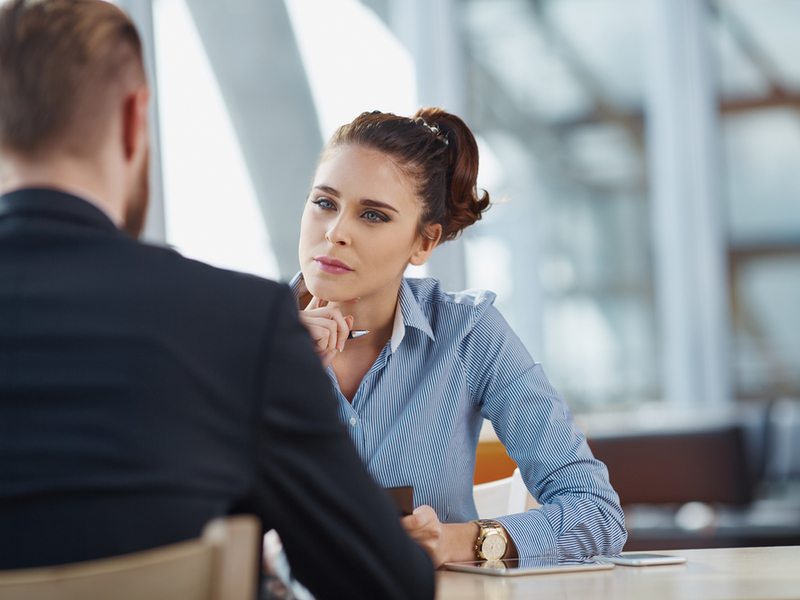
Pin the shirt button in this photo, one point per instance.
(352, 420)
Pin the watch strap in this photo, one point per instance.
(488, 527)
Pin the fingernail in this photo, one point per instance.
(341, 346)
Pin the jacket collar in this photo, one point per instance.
(54, 204)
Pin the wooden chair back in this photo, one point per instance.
(221, 564)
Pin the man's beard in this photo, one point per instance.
(137, 202)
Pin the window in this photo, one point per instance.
(557, 99)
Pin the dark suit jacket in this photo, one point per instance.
(142, 394)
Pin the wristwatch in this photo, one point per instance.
(492, 542)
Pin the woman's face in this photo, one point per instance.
(359, 227)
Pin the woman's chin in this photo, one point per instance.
(330, 293)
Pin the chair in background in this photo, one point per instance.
(502, 497)
(492, 462)
(702, 465)
(782, 463)
(689, 487)
(222, 564)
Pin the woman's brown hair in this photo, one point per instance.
(437, 151)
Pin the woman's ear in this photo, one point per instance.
(426, 244)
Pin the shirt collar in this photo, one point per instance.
(409, 315)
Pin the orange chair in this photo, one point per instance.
(492, 462)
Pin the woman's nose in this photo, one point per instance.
(338, 233)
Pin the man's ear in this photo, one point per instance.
(427, 243)
(134, 121)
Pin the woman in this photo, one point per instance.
(414, 391)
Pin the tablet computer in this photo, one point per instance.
(539, 565)
(644, 559)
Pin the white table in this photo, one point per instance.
(716, 574)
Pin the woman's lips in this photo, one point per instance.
(331, 265)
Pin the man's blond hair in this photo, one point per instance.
(63, 65)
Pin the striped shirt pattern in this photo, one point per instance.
(452, 362)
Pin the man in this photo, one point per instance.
(141, 393)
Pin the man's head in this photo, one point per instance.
(73, 91)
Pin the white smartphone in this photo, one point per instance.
(528, 566)
(643, 559)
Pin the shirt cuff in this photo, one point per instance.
(531, 532)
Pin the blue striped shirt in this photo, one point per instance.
(453, 361)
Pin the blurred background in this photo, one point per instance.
(643, 157)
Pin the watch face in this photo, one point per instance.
(493, 547)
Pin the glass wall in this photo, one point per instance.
(557, 93)
(759, 82)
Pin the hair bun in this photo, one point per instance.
(463, 204)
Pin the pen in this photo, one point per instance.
(356, 333)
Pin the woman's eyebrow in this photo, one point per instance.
(327, 189)
(377, 204)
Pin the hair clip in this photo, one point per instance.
(434, 129)
(438, 133)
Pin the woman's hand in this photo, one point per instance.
(424, 527)
(449, 542)
(328, 328)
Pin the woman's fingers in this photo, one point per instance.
(328, 327)
(421, 520)
(424, 527)
(324, 331)
(343, 325)
(316, 303)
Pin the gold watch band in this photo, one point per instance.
(492, 542)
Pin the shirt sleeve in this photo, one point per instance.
(341, 533)
(580, 513)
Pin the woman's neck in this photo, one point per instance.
(374, 313)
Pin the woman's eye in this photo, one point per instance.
(371, 215)
(323, 203)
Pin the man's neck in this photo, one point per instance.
(68, 175)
